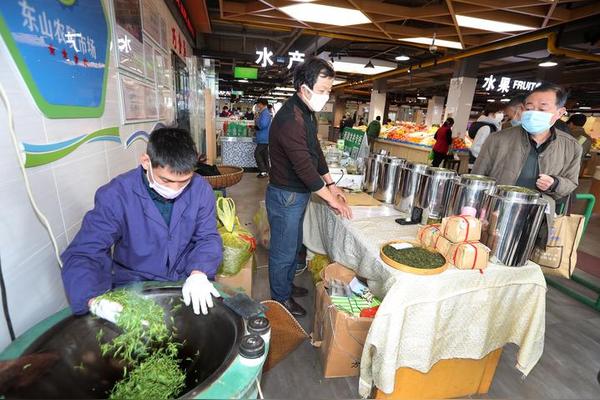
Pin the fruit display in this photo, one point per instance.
(419, 134)
(596, 144)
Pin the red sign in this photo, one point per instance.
(185, 16)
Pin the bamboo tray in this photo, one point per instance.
(407, 268)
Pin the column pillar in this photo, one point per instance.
(378, 99)
(435, 110)
(460, 95)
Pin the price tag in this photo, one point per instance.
(401, 246)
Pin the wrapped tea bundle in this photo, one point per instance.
(468, 255)
(425, 234)
(461, 228)
(441, 244)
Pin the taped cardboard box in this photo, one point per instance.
(241, 280)
(339, 336)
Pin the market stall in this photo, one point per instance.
(424, 319)
(237, 142)
(414, 142)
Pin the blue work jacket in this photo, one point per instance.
(145, 248)
(263, 123)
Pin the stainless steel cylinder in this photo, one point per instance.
(466, 193)
(435, 189)
(387, 182)
(511, 220)
(373, 165)
(409, 186)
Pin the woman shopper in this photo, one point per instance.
(443, 140)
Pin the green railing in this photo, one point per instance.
(593, 302)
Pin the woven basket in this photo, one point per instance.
(230, 175)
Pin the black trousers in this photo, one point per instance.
(261, 155)
(438, 158)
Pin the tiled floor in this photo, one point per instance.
(568, 369)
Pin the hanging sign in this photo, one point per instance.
(61, 49)
(506, 84)
(265, 58)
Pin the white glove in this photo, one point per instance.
(106, 309)
(198, 290)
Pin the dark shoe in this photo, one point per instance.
(293, 307)
(298, 291)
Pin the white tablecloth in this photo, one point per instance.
(424, 319)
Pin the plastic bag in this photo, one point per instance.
(238, 243)
(317, 264)
(262, 225)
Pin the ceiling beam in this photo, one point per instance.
(550, 11)
(356, 6)
(401, 11)
(503, 16)
(453, 15)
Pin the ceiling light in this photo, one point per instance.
(548, 64)
(285, 89)
(421, 98)
(505, 100)
(369, 65)
(356, 65)
(338, 81)
(327, 15)
(402, 58)
(489, 25)
(491, 100)
(438, 42)
(242, 80)
(585, 108)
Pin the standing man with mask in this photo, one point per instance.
(513, 111)
(154, 223)
(535, 154)
(263, 123)
(298, 168)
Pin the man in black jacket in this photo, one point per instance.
(298, 168)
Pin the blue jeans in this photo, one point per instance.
(285, 211)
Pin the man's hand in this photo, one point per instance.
(198, 291)
(337, 193)
(341, 208)
(544, 182)
(105, 309)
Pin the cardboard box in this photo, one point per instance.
(339, 336)
(242, 280)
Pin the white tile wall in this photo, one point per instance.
(64, 190)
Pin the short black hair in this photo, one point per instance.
(173, 148)
(449, 121)
(378, 118)
(309, 71)
(561, 94)
(225, 108)
(269, 106)
(264, 102)
(518, 100)
(491, 108)
(577, 119)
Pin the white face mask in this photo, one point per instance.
(317, 101)
(163, 191)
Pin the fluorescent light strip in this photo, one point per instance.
(505, 100)
(285, 89)
(359, 67)
(490, 25)
(327, 15)
(438, 42)
(585, 108)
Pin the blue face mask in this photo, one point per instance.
(536, 122)
(515, 122)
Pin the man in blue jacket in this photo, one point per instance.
(159, 220)
(263, 123)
